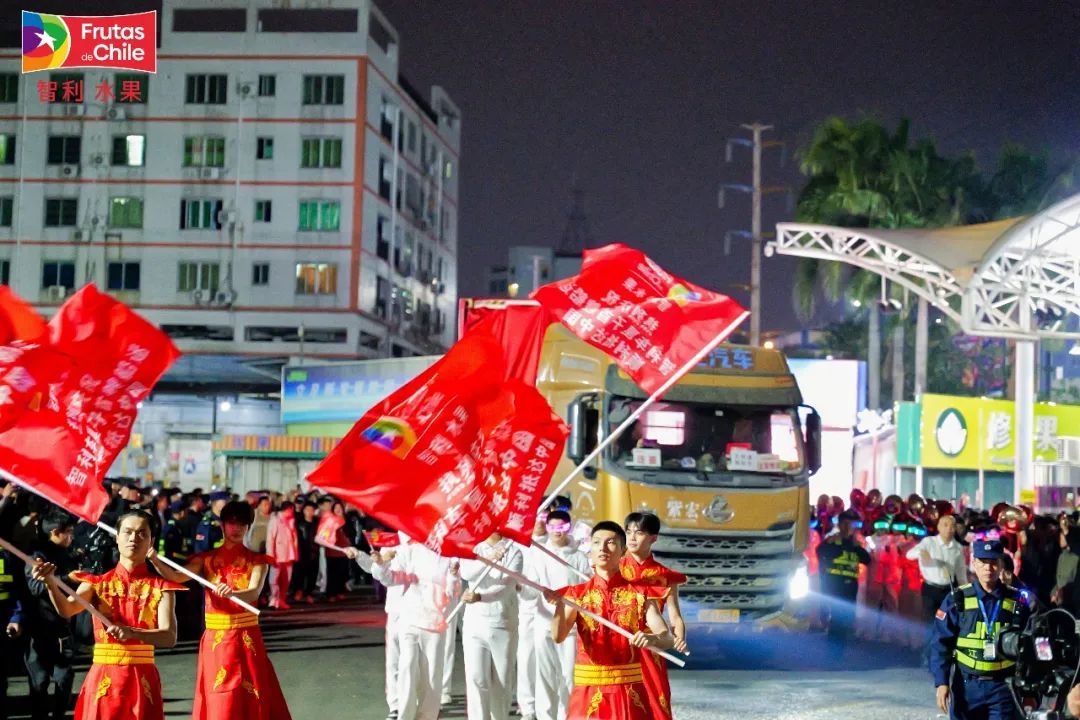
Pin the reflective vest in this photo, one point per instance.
(972, 636)
(7, 581)
(846, 564)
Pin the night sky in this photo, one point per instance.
(637, 99)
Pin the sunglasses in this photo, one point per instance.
(559, 526)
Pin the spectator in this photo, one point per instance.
(1065, 580)
(337, 563)
(281, 545)
(307, 561)
(256, 537)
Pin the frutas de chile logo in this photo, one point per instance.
(46, 41)
(391, 434)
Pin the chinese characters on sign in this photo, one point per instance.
(71, 91)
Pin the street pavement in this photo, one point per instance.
(330, 662)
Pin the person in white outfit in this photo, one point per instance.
(554, 662)
(428, 581)
(942, 563)
(489, 629)
(392, 606)
(450, 647)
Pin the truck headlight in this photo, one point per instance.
(799, 585)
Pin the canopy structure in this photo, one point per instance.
(1016, 278)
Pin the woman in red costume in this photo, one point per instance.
(234, 678)
(123, 681)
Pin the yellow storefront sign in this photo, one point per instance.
(979, 433)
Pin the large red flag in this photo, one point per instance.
(649, 321)
(452, 456)
(63, 449)
(28, 364)
(519, 325)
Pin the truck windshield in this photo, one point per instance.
(699, 437)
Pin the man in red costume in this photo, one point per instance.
(234, 678)
(123, 681)
(640, 567)
(608, 680)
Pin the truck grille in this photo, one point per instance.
(734, 564)
(719, 545)
(742, 601)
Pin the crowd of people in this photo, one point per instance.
(521, 633)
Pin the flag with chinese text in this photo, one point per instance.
(649, 321)
(28, 363)
(518, 325)
(63, 449)
(452, 456)
(378, 539)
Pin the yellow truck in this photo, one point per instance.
(724, 459)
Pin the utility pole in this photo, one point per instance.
(756, 192)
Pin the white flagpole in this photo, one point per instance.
(602, 620)
(58, 582)
(553, 556)
(690, 364)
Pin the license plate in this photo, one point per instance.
(714, 615)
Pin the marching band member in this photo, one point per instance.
(489, 629)
(123, 681)
(234, 678)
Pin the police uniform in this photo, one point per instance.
(208, 533)
(9, 615)
(174, 542)
(964, 644)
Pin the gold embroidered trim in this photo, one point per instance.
(220, 679)
(103, 687)
(594, 704)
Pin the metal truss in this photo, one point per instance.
(862, 249)
(1028, 284)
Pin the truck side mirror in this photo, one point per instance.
(581, 416)
(813, 441)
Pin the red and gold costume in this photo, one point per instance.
(608, 681)
(654, 575)
(123, 681)
(234, 678)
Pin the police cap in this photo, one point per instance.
(989, 550)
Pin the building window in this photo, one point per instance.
(7, 212)
(320, 215)
(123, 276)
(67, 86)
(267, 85)
(200, 214)
(129, 150)
(204, 152)
(386, 119)
(262, 211)
(9, 92)
(382, 296)
(60, 212)
(316, 279)
(126, 212)
(132, 88)
(320, 152)
(7, 149)
(382, 247)
(411, 142)
(64, 150)
(386, 174)
(264, 148)
(198, 276)
(57, 273)
(260, 274)
(206, 89)
(324, 89)
(5, 272)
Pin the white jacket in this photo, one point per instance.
(547, 572)
(428, 585)
(498, 604)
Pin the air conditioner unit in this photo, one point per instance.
(244, 89)
(69, 170)
(197, 296)
(225, 297)
(98, 159)
(116, 113)
(226, 217)
(74, 109)
(209, 173)
(80, 236)
(56, 293)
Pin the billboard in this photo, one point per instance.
(342, 392)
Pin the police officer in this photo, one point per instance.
(208, 534)
(964, 641)
(839, 558)
(173, 543)
(10, 624)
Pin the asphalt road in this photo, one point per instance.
(330, 660)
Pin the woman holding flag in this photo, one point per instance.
(234, 678)
(123, 681)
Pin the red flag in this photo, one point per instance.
(382, 539)
(519, 325)
(64, 448)
(28, 364)
(329, 524)
(649, 321)
(452, 456)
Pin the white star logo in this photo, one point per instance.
(47, 39)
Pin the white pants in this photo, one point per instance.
(554, 671)
(526, 660)
(448, 656)
(489, 660)
(393, 650)
(420, 669)
(280, 576)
